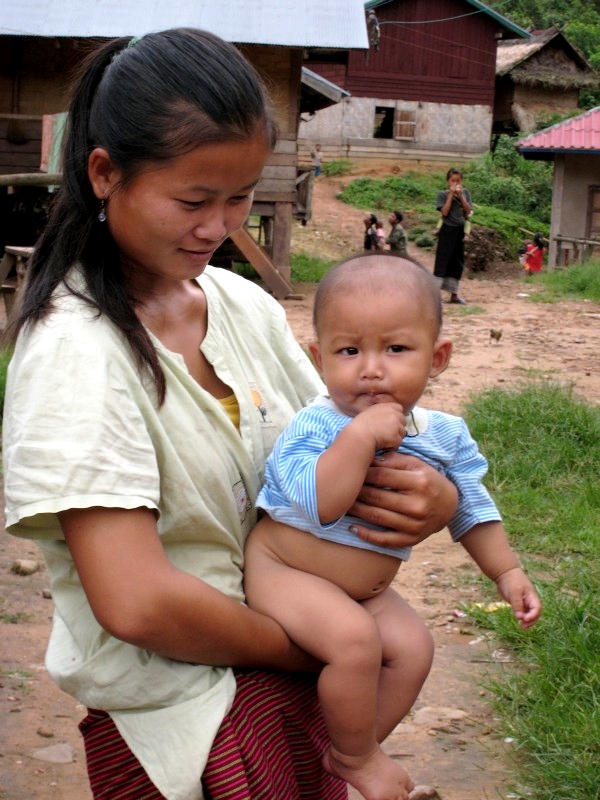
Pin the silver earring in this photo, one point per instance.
(102, 212)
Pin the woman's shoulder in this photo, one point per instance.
(73, 331)
(235, 287)
(241, 301)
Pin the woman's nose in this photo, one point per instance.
(213, 226)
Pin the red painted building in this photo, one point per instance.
(426, 84)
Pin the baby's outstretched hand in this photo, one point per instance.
(516, 588)
(384, 422)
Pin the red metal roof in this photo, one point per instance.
(576, 135)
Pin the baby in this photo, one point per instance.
(377, 320)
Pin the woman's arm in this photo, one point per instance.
(138, 596)
(421, 501)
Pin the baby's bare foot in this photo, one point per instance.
(423, 793)
(376, 776)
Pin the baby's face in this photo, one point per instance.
(376, 348)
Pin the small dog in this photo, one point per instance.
(495, 334)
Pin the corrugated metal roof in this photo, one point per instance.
(336, 24)
(318, 84)
(576, 135)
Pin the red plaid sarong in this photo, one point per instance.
(268, 747)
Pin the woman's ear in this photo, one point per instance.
(315, 352)
(442, 350)
(103, 176)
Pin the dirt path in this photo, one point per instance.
(450, 738)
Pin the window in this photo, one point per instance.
(384, 122)
(405, 125)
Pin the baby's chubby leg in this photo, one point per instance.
(407, 657)
(343, 634)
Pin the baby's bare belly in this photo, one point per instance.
(360, 573)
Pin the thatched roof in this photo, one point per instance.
(547, 60)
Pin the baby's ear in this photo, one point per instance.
(442, 350)
(315, 351)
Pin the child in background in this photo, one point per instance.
(317, 160)
(378, 322)
(397, 237)
(381, 237)
(534, 255)
(467, 227)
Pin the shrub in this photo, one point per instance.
(333, 168)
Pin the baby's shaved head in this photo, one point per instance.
(373, 274)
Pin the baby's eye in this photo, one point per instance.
(349, 351)
(396, 348)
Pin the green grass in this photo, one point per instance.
(576, 281)
(337, 168)
(307, 269)
(543, 444)
(406, 192)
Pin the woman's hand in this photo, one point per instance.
(408, 497)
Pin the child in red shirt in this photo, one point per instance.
(534, 255)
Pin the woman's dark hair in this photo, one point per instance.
(372, 219)
(538, 239)
(144, 101)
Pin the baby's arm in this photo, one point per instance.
(342, 468)
(488, 546)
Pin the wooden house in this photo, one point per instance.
(544, 74)
(425, 88)
(43, 40)
(574, 147)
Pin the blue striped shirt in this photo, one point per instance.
(442, 440)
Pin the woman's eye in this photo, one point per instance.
(241, 198)
(192, 204)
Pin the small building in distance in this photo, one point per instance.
(543, 74)
(574, 147)
(423, 91)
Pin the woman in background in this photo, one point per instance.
(454, 205)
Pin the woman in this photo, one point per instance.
(145, 391)
(370, 237)
(454, 205)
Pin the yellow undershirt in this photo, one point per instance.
(232, 409)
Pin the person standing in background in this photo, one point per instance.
(370, 237)
(454, 205)
(317, 160)
(397, 236)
